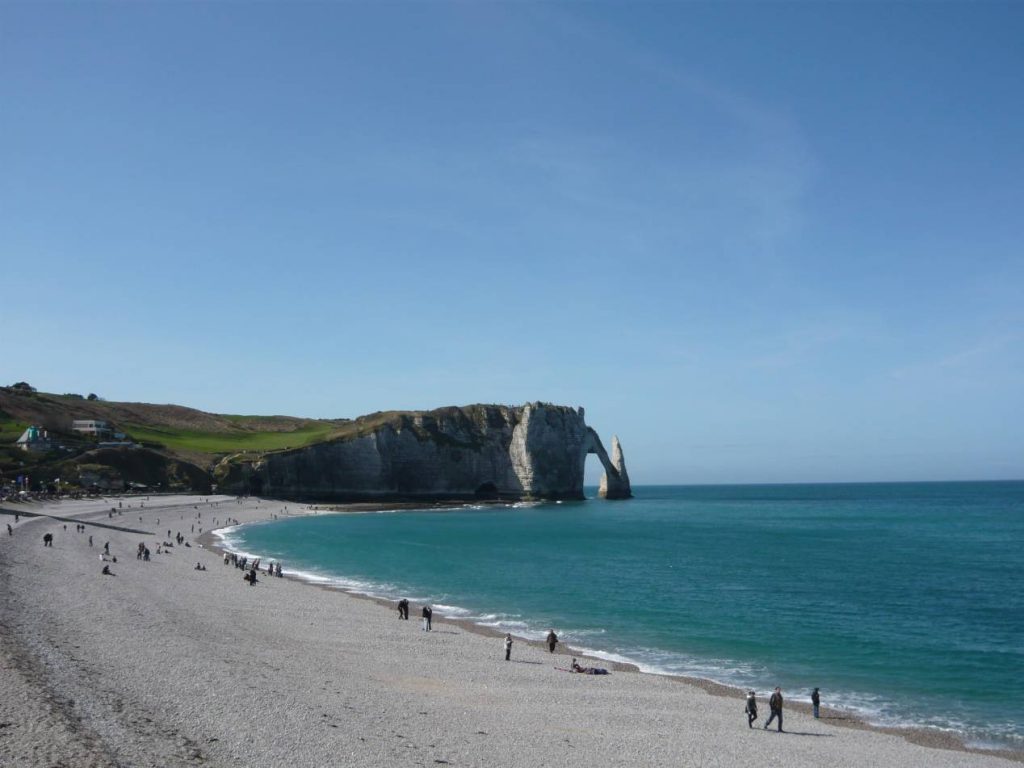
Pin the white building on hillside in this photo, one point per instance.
(90, 427)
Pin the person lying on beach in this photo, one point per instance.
(588, 670)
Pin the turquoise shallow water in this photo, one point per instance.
(902, 601)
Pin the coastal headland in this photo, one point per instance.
(472, 452)
(161, 664)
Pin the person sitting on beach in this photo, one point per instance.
(106, 571)
(588, 670)
(200, 567)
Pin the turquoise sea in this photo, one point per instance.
(901, 601)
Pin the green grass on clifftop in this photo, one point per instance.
(230, 442)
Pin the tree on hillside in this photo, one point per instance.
(92, 396)
(23, 386)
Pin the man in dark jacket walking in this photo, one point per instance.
(775, 703)
(552, 641)
(816, 702)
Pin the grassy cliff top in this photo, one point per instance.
(202, 437)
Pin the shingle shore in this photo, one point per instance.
(163, 665)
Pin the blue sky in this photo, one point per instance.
(759, 242)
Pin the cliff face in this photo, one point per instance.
(536, 451)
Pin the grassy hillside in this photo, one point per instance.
(194, 441)
(185, 433)
(184, 444)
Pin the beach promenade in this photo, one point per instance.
(163, 665)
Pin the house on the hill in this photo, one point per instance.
(35, 439)
(91, 427)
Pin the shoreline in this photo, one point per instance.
(921, 736)
(165, 665)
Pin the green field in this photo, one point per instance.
(230, 442)
(10, 430)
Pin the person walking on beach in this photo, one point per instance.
(751, 709)
(775, 704)
(552, 641)
(10, 531)
(403, 609)
(427, 616)
(508, 646)
(816, 702)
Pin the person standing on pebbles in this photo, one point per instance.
(552, 641)
(775, 704)
(508, 646)
(751, 709)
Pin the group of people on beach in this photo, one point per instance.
(426, 614)
(242, 563)
(775, 706)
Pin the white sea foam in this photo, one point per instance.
(873, 708)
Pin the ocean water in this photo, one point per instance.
(902, 602)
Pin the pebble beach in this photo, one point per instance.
(161, 664)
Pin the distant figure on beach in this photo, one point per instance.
(250, 576)
(106, 547)
(10, 531)
(106, 571)
(816, 702)
(508, 646)
(200, 567)
(587, 670)
(751, 709)
(279, 576)
(403, 609)
(47, 539)
(775, 704)
(552, 641)
(428, 615)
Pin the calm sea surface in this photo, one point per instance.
(902, 601)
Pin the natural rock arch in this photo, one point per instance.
(615, 480)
